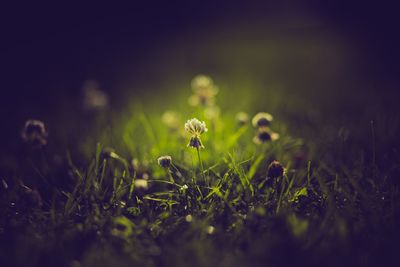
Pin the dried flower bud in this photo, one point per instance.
(195, 142)
(275, 169)
(164, 161)
(34, 133)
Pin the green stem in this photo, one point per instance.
(201, 164)
(170, 175)
(309, 173)
(178, 173)
(280, 195)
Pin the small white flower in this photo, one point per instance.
(195, 128)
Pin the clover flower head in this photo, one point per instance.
(164, 161)
(275, 169)
(34, 132)
(262, 119)
(201, 81)
(265, 134)
(204, 91)
(195, 128)
(242, 118)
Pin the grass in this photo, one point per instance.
(336, 204)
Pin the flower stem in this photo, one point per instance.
(171, 178)
(201, 164)
(280, 195)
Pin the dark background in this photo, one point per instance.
(47, 51)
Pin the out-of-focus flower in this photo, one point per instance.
(265, 134)
(189, 218)
(210, 230)
(140, 168)
(200, 82)
(204, 91)
(262, 119)
(242, 118)
(34, 133)
(195, 128)
(164, 161)
(275, 169)
(212, 112)
(123, 227)
(93, 97)
(141, 184)
(171, 120)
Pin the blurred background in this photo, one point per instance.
(323, 56)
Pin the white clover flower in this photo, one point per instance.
(262, 119)
(204, 91)
(195, 128)
(201, 81)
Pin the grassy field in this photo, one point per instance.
(103, 198)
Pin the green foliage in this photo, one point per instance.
(210, 204)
